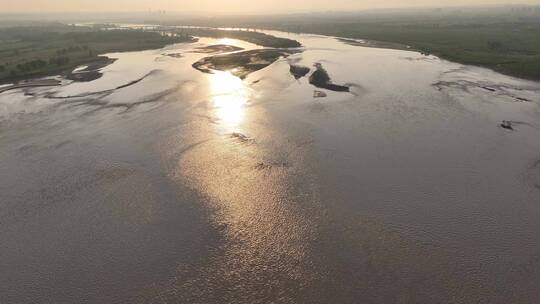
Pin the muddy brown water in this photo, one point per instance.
(187, 187)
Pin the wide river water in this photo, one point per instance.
(187, 187)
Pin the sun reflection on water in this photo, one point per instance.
(229, 97)
(226, 41)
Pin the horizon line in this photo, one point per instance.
(282, 13)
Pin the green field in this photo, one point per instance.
(30, 51)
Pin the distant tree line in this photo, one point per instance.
(37, 64)
(62, 60)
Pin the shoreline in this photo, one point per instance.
(217, 32)
(100, 61)
(153, 41)
(61, 71)
(402, 47)
(32, 84)
(363, 42)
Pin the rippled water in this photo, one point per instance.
(187, 187)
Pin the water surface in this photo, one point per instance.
(187, 187)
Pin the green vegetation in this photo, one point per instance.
(505, 38)
(242, 64)
(508, 43)
(44, 50)
(508, 48)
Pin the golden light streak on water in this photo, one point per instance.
(229, 97)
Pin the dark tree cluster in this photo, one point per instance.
(495, 45)
(71, 49)
(31, 65)
(62, 60)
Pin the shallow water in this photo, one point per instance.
(187, 187)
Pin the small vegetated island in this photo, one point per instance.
(241, 64)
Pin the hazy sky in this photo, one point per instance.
(230, 6)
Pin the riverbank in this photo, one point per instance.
(504, 39)
(31, 52)
(31, 84)
(509, 48)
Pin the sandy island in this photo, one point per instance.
(243, 63)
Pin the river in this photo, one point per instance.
(186, 187)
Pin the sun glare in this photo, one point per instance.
(226, 41)
(229, 96)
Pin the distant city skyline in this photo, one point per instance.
(233, 6)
